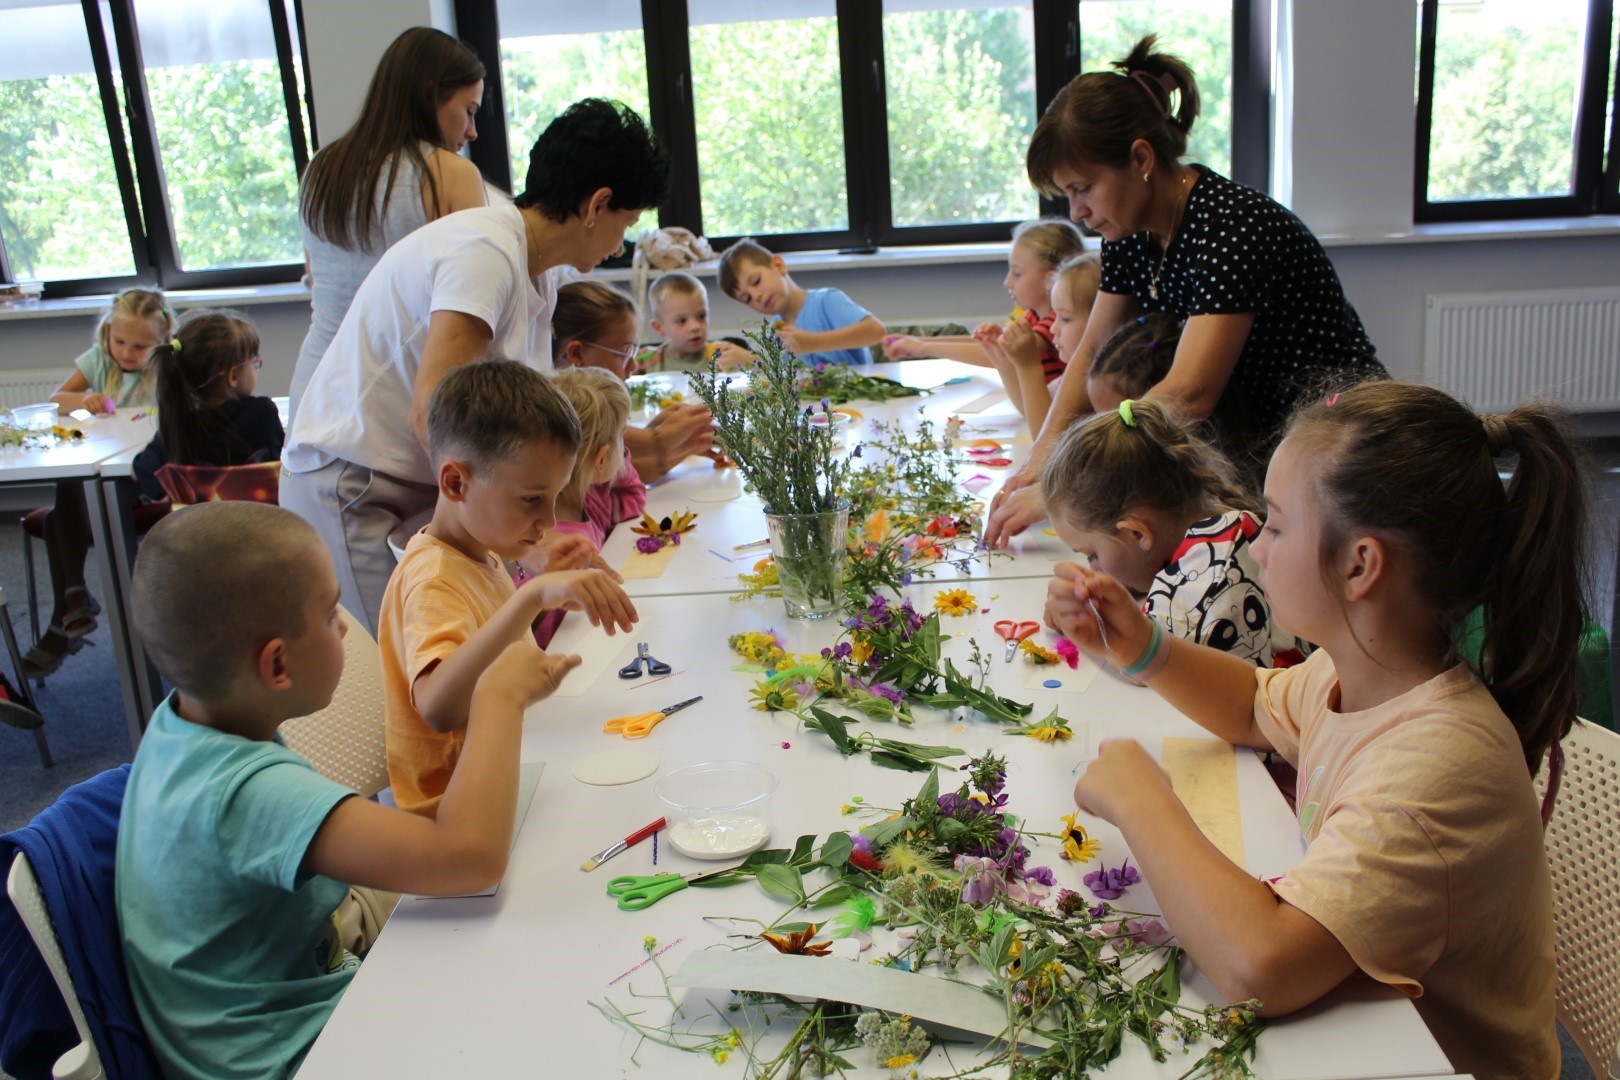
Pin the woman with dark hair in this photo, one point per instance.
(398, 168)
(1267, 321)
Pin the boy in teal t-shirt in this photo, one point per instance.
(232, 850)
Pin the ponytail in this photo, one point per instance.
(207, 344)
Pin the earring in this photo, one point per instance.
(591, 224)
(1145, 177)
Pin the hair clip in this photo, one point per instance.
(1141, 320)
(174, 343)
(1152, 345)
(1127, 417)
(1330, 401)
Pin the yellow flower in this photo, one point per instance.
(907, 859)
(1050, 733)
(720, 1056)
(955, 602)
(860, 650)
(768, 698)
(757, 646)
(900, 1061)
(1077, 846)
(649, 943)
(877, 526)
(1036, 653)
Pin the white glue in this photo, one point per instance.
(719, 836)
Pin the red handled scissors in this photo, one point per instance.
(1014, 633)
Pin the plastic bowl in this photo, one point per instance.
(719, 809)
(41, 417)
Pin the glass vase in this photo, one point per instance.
(809, 554)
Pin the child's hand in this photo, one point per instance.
(1127, 630)
(987, 333)
(1022, 345)
(524, 674)
(594, 592)
(684, 430)
(97, 403)
(1122, 776)
(793, 338)
(903, 347)
(565, 551)
(730, 356)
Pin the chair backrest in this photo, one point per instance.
(344, 741)
(1583, 848)
(82, 1062)
(187, 485)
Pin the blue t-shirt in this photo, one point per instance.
(830, 309)
(227, 943)
(99, 369)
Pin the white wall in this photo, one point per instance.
(1350, 169)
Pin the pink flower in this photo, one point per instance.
(1066, 649)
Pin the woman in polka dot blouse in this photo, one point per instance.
(1267, 321)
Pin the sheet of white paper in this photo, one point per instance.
(528, 779)
(921, 996)
(597, 652)
(982, 402)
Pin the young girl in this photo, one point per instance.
(1073, 293)
(1159, 510)
(1425, 868)
(594, 325)
(113, 373)
(207, 412)
(604, 488)
(1133, 360)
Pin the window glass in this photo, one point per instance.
(214, 83)
(61, 213)
(1199, 32)
(769, 113)
(961, 101)
(552, 57)
(1506, 83)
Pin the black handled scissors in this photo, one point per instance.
(632, 670)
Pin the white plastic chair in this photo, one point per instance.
(345, 740)
(82, 1062)
(1583, 849)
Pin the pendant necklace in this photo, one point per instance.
(1181, 204)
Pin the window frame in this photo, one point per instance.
(143, 190)
(1057, 32)
(1592, 192)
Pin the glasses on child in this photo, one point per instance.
(625, 354)
(256, 363)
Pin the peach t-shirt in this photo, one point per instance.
(1425, 856)
(436, 600)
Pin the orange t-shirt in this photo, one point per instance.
(1425, 856)
(436, 600)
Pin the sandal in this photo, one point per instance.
(88, 603)
(41, 661)
(77, 625)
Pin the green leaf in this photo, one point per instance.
(802, 849)
(782, 882)
(897, 761)
(833, 726)
(764, 857)
(835, 852)
(929, 792)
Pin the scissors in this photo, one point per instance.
(635, 893)
(632, 670)
(1014, 633)
(637, 727)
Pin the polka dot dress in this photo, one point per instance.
(1238, 251)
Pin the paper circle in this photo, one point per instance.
(721, 485)
(612, 767)
(1052, 684)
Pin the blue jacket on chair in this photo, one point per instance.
(72, 846)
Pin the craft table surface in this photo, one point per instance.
(77, 459)
(510, 977)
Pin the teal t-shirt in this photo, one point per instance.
(226, 942)
(97, 366)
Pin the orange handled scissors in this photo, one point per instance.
(1014, 633)
(637, 727)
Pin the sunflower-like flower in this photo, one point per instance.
(1050, 733)
(1077, 845)
(955, 602)
(668, 527)
(1036, 653)
(780, 697)
(798, 943)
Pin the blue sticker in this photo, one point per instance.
(1052, 684)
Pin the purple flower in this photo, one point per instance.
(826, 406)
(649, 544)
(885, 691)
(1042, 874)
(1111, 884)
(905, 578)
(1097, 912)
(981, 879)
(1149, 932)
(842, 650)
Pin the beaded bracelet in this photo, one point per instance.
(1153, 657)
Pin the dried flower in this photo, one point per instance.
(1036, 653)
(1110, 884)
(798, 943)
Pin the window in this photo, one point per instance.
(151, 140)
(1515, 105)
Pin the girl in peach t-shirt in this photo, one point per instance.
(1387, 525)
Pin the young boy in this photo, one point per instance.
(821, 325)
(680, 307)
(232, 850)
(501, 440)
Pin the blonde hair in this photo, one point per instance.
(603, 406)
(675, 283)
(1052, 240)
(585, 310)
(147, 304)
(1081, 278)
(1103, 468)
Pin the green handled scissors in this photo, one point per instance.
(635, 893)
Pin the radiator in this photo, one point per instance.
(27, 387)
(1494, 350)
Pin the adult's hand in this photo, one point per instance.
(1013, 510)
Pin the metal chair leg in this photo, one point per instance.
(33, 590)
(22, 713)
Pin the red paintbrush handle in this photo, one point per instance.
(645, 831)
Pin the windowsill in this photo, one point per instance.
(246, 296)
(1555, 228)
(882, 259)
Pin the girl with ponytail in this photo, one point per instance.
(1387, 524)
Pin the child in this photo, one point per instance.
(1133, 360)
(605, 488)
(233, 852)
(595, 326)
(502, 441)
(207, 412)
(1425, 867)
(113, 373)
(822, 325)
(1159, 510)
(1035, 352)
(680, 306)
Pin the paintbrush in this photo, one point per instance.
(634, 838)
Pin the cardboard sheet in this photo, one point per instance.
(639, 565)
(1204, 774)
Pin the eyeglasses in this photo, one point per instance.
(625, 354)
(255, 363)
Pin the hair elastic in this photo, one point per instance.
(1330, 401)
(1127, 417)
(1164, 82)
(174, 343)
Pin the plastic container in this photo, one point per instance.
(719, 809)
(40, 417)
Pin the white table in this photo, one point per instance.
(510, 976)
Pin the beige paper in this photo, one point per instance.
(640, 565)
(1204, 774)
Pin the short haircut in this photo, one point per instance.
(675, 283)
(594, 144)
(745, 252)
(486, 412)
(213, 583)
